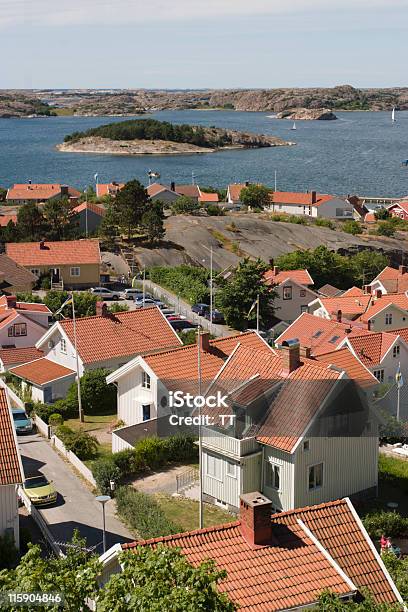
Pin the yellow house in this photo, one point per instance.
(73, 264)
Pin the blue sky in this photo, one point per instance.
(202, 43)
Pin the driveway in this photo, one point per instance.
(76, 507)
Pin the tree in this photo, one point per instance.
(184, 206)
(152, 221)
(352, 227)
(235, 297)
(85, 303)
(163, 580)
(75, 576)
(330, 602)
(97, 396)
(3, 193)
(130, 204)
(108, 229)
(59, 217)
(381, 214)
(9, 233)
(386, 228)
(366, 265)
(30, 222)
(256, 196)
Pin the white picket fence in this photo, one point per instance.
(42, 427)
(73, 459)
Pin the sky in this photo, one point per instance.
(202, 43)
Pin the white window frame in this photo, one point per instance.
(312, 467)
(388, 318)
(73, 270)
(396, 351)
(379, 374)
(289, 290)
(275, 469)
(214, 461)
(63, 346)
(146, 380)
(231, 464)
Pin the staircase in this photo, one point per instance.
(186, 480)
(57, 286)
(129, 256)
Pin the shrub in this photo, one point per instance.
(299, 220)
(351, 227)
(153, 452)
(96, 395)
(324, 223)
(189, 282)
(391, 524)
(27, 296)
(105, 470)
(143, 513)
(8, 552)
(381, 214)
(55, 419)
(117, 307)
(79, 442)
(386, 228)
(215, 211)
(181, 448)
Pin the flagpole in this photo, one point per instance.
(144, 292)
(398, 402)
(211, 289)
(200, 441)
(81, 413)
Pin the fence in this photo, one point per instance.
(42, 427)
(118, 444)
(73, 459)
(186, 479)
(41, 522)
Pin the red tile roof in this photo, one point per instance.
(397, 299)
(66, 252)
(41, 371)
(304, 199)
(402, 204)
(208, 197)
(11, 471)
(191, 191)
(19, 355)
(37, 191)
(5, 219)
(156, 188)
(351, 307)
(318, 334)
(235, 191)
(293, 570)
(371, 348)
(370, 218)
(345, 360)
(98, 210)
(27, 306)
(108, 189)
(393, 280)
(122, 334)
(279, 276)
(352, 292)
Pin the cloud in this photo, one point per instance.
(117, 12)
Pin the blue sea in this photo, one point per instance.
(359, 153)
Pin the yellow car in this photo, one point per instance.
(40, 490)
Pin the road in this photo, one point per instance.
(76, 507)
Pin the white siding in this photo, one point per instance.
(9, 511)
(329, 209)
(289, 309)
(399, 319)
(118, 444)
(350, 465)
(132, 396)
(224, 488)
(34, 333)
(282, 499)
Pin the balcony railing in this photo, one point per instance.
(220, 442)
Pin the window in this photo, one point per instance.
(396, 350)
(306, 445)
(231, 469)
(379, 374)
(302, 293)
(63, 346)
(287, 293)
(304, 308)
(35, 271)
(213, 467)
(75, 271)
(315, 476)
(272, 475)
(334, 339)
(146, 412)
(388, 319)
(17, 330)
(145, 380)
(317, 334)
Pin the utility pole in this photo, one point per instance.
(81, 412)
(200, 441)
(211, 289)
(143, 283)
(257, 313)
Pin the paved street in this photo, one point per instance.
(76, 507)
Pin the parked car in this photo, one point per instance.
(139, 302)
(160, 304)
(22, 422)
(200, 309)
(104, 293)
(217, 316)
(173, 317)
(40, 490)
(168, 312)
(182, 325)
(130, 293)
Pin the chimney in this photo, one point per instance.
(29, 182)
(205, 341)
(101, 309)
(313, 197)
(305, 351)
(378, 293)
(402, 269)
(246, 183)
(276, 270)
(64, 191)
(42, 245)
(11, 301)
(369, 325)
(366, 289)
(290, 350)
(339, 316)
(255, 515)
(173, 186)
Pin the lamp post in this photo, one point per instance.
(103, 499)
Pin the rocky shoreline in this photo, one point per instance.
(307, 114)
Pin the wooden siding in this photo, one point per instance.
(218, 442)
(282, 499)
(9, 511)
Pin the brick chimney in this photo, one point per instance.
(305, 351)
(276, 270)
(64, 191)
(313, 197)
(255, 515)
(205, 341)
(367, 289)
(11, 301)
(378, 293)
(173, 186)
(339, 316)
(102, 309)
(42, 245)
(402, 269)
(290, 351)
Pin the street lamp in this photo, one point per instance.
(102, 499)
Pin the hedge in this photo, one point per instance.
(391, 524)
(142, 513)
(44, 411)
(148, 454)
(79, 442)
(189, 282)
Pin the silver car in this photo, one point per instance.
(104, 293)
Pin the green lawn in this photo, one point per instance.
(184, 512)
(103, 451)
(92, 422)
(392, 486)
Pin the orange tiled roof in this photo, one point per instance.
(318, 334)
(304, 199)
(345, 360)
(27, 306)
(65, 252)
(19, 355)
(371, 348)
(393, 280)
(352, 292)
(41, 371)
(156, 188)
(208, 197)
(191, 191)
(10, 466)
(402, 204)
(289, 572)
(351, 307)
(37, 191)
(400, 332)
(108, 189)
(299, 276)
(397, 299)
(5, 219)
(370, 218)
(98, 210)
(121, 335)
(235, 191)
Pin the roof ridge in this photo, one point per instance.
(335, 502)
(184, 534)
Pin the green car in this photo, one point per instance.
(40, 490)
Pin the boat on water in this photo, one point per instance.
(294, 126)
(393, 119)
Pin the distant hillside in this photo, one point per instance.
(18, 105)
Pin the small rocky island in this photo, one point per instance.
(152, 137)
(307, 114)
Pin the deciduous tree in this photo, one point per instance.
(256, 196)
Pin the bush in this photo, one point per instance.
(181, 448)
(79, 442)
(8, 552)
(351, 227)
(299, 220)
(117, 307)
(386, 228)
(97, 396)
(189, 282)
(324, 223)
(143, 514)
(391, 524)
(215, 211)
(55, 419)
(27, 296)
(105, 470)
(152, 452)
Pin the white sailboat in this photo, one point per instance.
(294, 126)
(393, 119)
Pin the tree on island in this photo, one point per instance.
(256, 196)
(153, 221)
